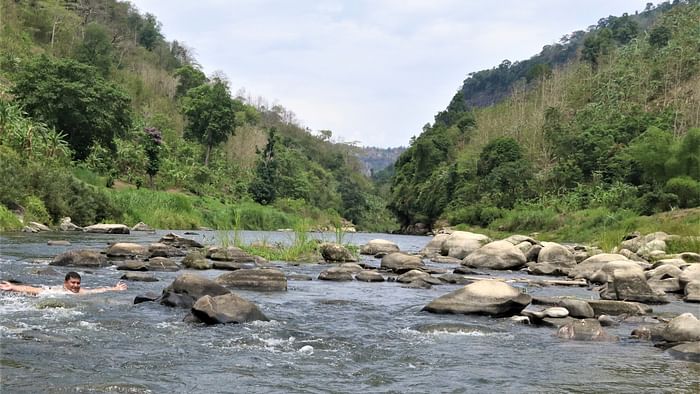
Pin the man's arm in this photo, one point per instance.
(7, 286)
(120, 286)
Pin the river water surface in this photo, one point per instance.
(340, 337)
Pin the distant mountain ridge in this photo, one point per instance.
(376, 159)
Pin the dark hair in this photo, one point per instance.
(72, 275)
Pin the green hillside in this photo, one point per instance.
(603, 126)
(102, 119)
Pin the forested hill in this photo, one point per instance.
(93, 95)
(606, 120)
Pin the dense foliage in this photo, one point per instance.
(607, 119)
(94, 100)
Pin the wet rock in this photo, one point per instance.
(158, 249)
(652, 332)
(80, 258)
(692, 291)
(38, 336)
(445, 260)
(336, 253)
(50, 271)
(39, 226)
(584, 330)
(547, 269)
(162, 264)
(401, 262)
(482, 297)
(629, 283)
(232, 265)
(417, 284)
(106, 228)
(127, 249)
(58, 242)
(462, 270)
(686, 351)
(591, 265)
(299, 277)
(431, 328)
(497, 255)
(410, 276)
(179, 242)
(379, 246)
(609, 307)
(225, 309)
(336, 274)
(139, 277)
(67, 225)
(454, 279)
(460, 244)
(148, 297)
(434, 247)
(533, 253)
(141, 226)
(577, 308)
(556, 322)
(683, 328)
(608, 321)
(132, 265)
(554, 312)
(262, 279)
(230, 253)
(51, 303)
(187, 288)
(369, 276)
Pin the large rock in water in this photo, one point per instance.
(230, 253)
(497, 255)
(591, 265)
(682, 328)
(127, 249)
(556, 254)
(584, 330)
(80, 258)
(686, 351)
(461, 243)
(179, 242)
(188, 288)
(379, 246)
(228, 308)
(264, 279)
(336, 253)
(483, 297)
(107, 228)
(434, 247)
(626, 282)
(401, 262)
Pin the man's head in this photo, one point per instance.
(72, 282)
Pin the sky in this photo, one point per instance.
(371, 71)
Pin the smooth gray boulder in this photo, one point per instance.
(460, 244)
(141, 226)
(401, 262)
(107, 228)
(689, 274)
(584, 330)
(230, 253)
(188, 288)
(80, 258)
(686, 351)
(158, 249)
(483, 297)
(225, 309)
(591, 265)
(682, 328)
(434, 247)
(626, 282)
(379, 246)
(577, 308)
(497, 255)
(127, 249)
(139, 276)
(610, 307)
(177, 241)
(692, 291)
(336, 274)
(556, 254)
(369, 276)
(262, 279)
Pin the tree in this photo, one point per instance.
(96, 49)
(212, 115)
(75, 99)
(263, 188)
(188, 77)
(152, 145)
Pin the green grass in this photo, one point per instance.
(8, 220)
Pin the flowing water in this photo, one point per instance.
(344, 337)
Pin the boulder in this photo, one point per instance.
(139, 277)
(591, 265)
(262, 279)
(547, 269)
(445, 260)
(497, 255)
(148, 297)
(577, 308)
(533, 253)
(401, 262)
(162, 264)
(67, 225)
(179, 242)
(663, 271)
(556, 254)
(105, 228)
(81, 258)
(233, 265)
(59, 242)
(455, 279)
(230, 253)
(379, 246)
(127, 249)
(38, 226)
(609, 307)
(626, 282)
(187, 288)
(195, 260)
(686, 351)
(690, 257)
(369, 276)
(336, 253)
(460, 244)
(682, 328)
(158, 249)
(415, 275)
(692, 291)
(141, 226)
(518, 238)
(584, 330)
(482, 297)
(434, 247)
(668, 285)
(336, 274)
(227, 308)
(689, 274)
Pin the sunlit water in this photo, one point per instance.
(344, 337)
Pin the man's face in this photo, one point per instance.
(72, 285)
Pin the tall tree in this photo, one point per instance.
(74, 98)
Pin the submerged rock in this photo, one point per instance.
(81, 258)
(584, 330)
(227, 308)
(187, 288)
(263, 279)
(686, 351)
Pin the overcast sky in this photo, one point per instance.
(371, 71)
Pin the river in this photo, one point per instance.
(337, 337)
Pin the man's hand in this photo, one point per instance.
(120, 286)
(7, 286)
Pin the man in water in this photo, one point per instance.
(71, 284)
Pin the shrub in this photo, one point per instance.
(8, 220)
(35, 211)
(686, 188)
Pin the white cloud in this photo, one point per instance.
(371, 71)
